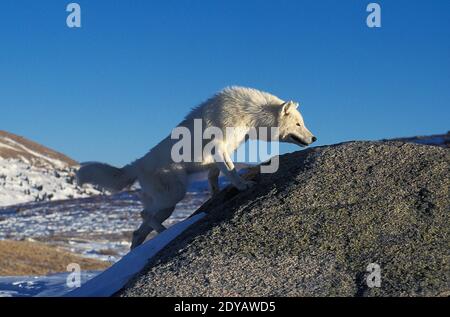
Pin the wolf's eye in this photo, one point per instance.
(298, 124)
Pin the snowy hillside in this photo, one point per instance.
(30, 172)
(98, 227)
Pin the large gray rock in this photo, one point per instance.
(312, 228)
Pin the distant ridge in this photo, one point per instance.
(442, 140)
(13, 146)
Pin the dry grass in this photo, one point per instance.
(35, 258)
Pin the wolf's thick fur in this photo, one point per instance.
(164, 182)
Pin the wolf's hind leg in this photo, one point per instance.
(161, 191)
(150, 222)
(140, 234)
(163, 214)
(155, 224)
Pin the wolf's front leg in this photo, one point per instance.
(213, 180)
(226, 166)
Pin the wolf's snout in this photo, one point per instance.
(313, 139)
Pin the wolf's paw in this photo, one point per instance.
(137, 239)
(245, 184)
(214, 192)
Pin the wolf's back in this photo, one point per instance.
(106, 176)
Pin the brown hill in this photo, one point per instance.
(16, 147)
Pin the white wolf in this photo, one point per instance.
(163, 181)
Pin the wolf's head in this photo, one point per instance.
(292, 127)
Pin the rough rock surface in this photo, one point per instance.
(312, 228)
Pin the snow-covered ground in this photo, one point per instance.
(94, 283)
(97, 227)
(21, 182)
(50, 285)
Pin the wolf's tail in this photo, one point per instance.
(106, 176)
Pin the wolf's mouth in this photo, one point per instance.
(296, 139)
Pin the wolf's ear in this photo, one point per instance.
(288, 107)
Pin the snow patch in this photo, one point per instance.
(50, 285)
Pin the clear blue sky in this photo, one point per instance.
(112, 89)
